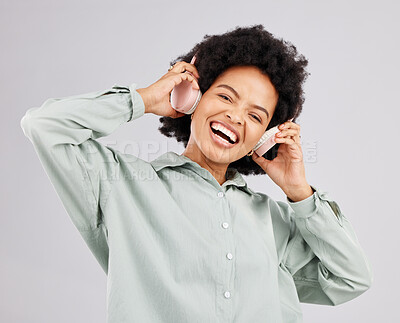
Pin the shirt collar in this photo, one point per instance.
(172, 159)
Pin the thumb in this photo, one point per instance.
(178, 114)
(261, 161)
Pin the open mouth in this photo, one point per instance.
(222, 139)
(223, 136)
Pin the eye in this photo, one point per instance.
(224, 96)
(256, 117)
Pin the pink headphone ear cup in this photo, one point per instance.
(267, 145)
(184, 98)
(266, 141)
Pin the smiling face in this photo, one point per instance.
(241, 99)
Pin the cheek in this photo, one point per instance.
(204, 113)
(199, 129)
(209, 106)
(204, 110)
(253, 136)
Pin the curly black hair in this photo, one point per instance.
(255, 46)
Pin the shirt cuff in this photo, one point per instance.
(137, 103)
(305, 208)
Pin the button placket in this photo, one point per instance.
(228, 266)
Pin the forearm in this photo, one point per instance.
(342, 270)
(81, 170)
(74, 119)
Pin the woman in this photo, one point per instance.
(183, 238)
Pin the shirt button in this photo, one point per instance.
(225, 225)
(227, 294)
(220, 194)
(229, 256)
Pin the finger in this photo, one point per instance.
(193, 70)
(296, 139)
(294, 133)
(289, 133)
(286, 132)
(261, 161)
(178, 115)
(182, 66)
(176, 68)
(287, 140)
(185, 76)
(289, 125)
(291, 130)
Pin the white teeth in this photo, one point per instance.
(224, 140)
(218, 126)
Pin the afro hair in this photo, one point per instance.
(242, 46)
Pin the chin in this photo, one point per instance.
(221, 156)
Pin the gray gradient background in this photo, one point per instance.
(349, 130)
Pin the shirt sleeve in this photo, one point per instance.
(63, 132)
(323, 253)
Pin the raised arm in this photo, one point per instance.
(82, 170)
(62, 132)
(323, 253)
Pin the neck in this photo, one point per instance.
(217, 170)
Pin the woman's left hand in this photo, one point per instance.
(287, 168)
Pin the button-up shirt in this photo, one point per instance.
(176, 245)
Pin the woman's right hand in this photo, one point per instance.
(156, 97)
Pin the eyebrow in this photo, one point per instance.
(238, 96)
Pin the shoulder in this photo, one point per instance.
(129, 164)
(280, 212)
(277, 209)
(281, 219)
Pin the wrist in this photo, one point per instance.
(142, 93)
(300, 194)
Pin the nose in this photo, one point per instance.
(235, 117)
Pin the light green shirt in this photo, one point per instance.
(176, 245)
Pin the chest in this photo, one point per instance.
(190, 229)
